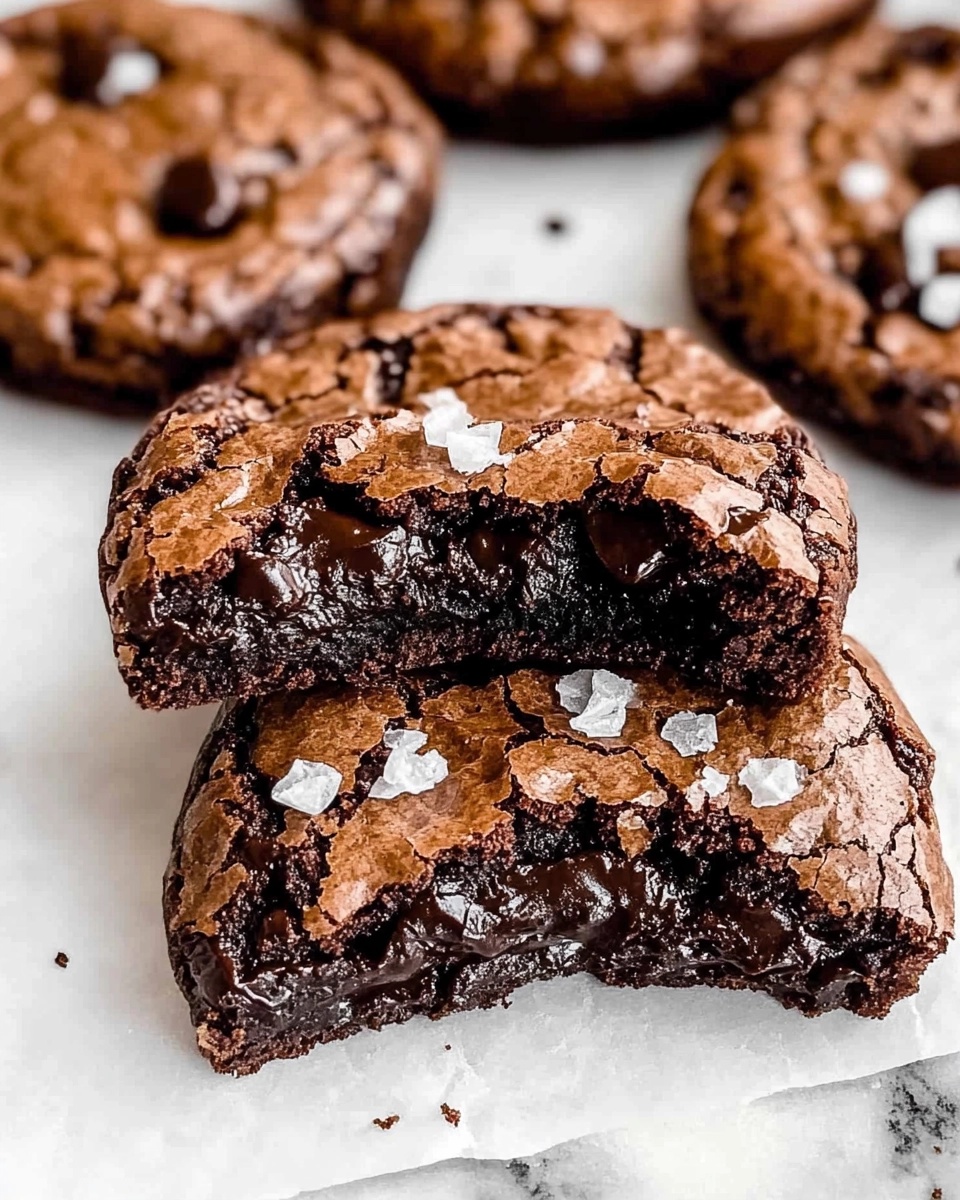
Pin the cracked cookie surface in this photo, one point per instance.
(544, 852)
(279, 526)
(810, 236)
(556, 70)
(179, 183)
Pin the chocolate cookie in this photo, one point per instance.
(826, 241)
(345, 859)
(179, 183)
(262, 537)
(559, 70)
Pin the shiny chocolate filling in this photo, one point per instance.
(678, 915)
(335, 594)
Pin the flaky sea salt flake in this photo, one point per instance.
(712, 783)
(575, 690)
(932, 223)
(446, 414)
(863, 181)
(772, 781)
(309, 787)
(606, 711)
(690, 733)
(406, 771)
(940, 302)
(477, 448)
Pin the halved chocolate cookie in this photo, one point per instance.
(179, 183)
(825, 241)
(349, 858)
(262, 537)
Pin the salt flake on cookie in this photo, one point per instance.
(772, 781)
(602, 711)
(309, 787)
(477, 448)
(690, 733)
(405, 769)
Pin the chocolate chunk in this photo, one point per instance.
(883, 276)
(635, 547)
(494, 550)
(84, 61)
(450, 1115)
(386, 1122)
(948, 260)
(936, 166)
(316, 545)
(61, 959)
(316, 541)
(544, 852)
(198, 198)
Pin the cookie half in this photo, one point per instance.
(347, 859)
(427, 487)
(179, 183)
(560, 70)
(825, 241)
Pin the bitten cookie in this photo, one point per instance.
(179, 183)
(825, 241)
(559, 70)
(279, 527)
(345, 859)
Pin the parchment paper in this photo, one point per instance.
(102, 1094)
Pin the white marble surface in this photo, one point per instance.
(894, 1136)
(99, 1079)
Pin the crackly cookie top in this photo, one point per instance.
(828, 231)
(209, 475)
(857, 827)
(596, 59)
(181, 179)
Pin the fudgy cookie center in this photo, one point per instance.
(633, 547)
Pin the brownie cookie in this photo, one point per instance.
(826, 240)
(345, 859)
(179, 183)
(279, 527)
(560, 70)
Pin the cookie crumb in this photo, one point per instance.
(936, 1194)
(450, 1115)
(386, 1122)
(938, 1149)
(62, 959)
(556, 226)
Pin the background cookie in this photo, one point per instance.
(558, 70)
(825, 240)
(178, 183)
